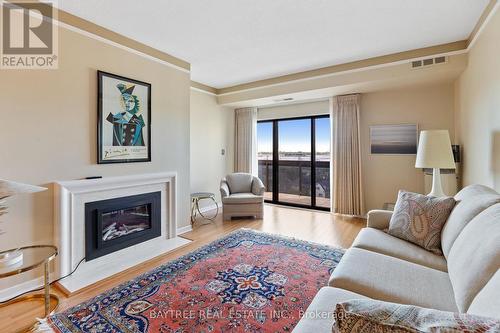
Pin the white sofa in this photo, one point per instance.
(379, 266)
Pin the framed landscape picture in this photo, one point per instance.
(124, 119)
(394, 139)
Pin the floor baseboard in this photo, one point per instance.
(20, 288)
(211, 207)
(184, 229)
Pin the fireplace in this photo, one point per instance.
(70, 227)
(114, 224)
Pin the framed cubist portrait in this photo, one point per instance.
(124, 120)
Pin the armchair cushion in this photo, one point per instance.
(224, 189)
(257, 186)
(242, 198)
(239, 182)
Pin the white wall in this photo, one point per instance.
(49, 131)
(211, 131)
(429, 106)
(293, 110)
(478, 109)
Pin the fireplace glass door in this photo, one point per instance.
(123, 222)
(118, 223)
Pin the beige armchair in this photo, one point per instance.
(242, 195)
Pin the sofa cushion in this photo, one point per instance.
(393, 280)
(465, 210)
(239, 182)
(487, 302)
(379, 241)
(472, 191)
(242, 198)
(475, 256)
(420, 218)
(319, 315)
(362, 315)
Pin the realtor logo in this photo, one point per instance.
(29, 35)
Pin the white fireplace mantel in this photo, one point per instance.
(69, 227)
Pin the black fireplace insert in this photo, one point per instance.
(114, 224)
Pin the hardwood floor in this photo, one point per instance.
(316, 226)
(298, 199)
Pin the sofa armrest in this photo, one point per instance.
(379, 219)
(224, 189)
(258, 187)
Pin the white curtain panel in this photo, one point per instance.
(245, 130)
(345, 174)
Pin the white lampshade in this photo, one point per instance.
(434, 150)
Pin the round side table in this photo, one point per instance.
(195, 205)
(33, 257)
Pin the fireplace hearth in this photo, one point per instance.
(114, 224)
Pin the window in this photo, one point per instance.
(265, 156)
(293, 154)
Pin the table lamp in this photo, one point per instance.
(9, 188)
(434, 151)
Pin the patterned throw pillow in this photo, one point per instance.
(363, 316)
(419, 219)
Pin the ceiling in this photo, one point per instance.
(231, 42)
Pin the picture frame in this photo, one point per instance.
(400, 139)
(124, 119)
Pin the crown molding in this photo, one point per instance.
(457, 47)
(91, 29)
(203, 88)
(81, 25)
(105, 33)
(488, 12)
(443, 49)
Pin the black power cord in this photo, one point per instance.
(41, 288)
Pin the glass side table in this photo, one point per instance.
(33, 257)
(195, 205)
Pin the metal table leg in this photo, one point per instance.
(211, 218)
(194, 204)
(46, 284)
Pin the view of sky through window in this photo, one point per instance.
(294, 136)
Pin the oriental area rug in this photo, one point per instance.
(247, 281)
